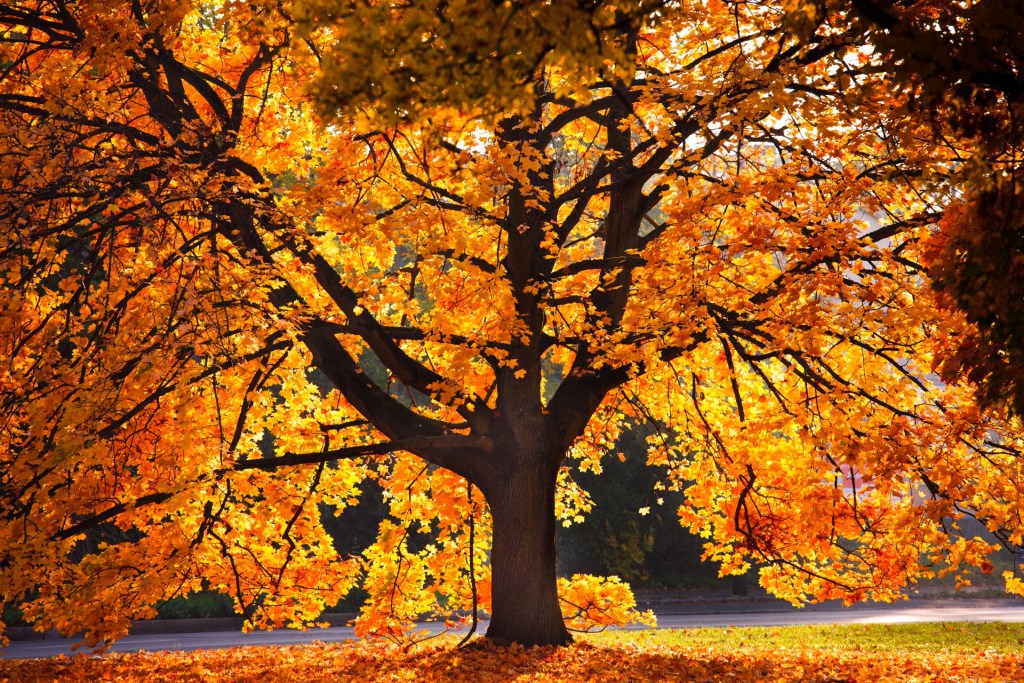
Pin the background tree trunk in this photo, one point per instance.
(525, 607)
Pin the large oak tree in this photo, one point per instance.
(222, 315)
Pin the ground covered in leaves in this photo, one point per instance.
(852, 654)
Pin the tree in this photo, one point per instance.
(220, 316)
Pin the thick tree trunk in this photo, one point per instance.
(524, 595)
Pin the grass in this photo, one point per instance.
(965, 637)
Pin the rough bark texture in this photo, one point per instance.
(525, 607)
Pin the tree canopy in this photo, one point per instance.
(256, 255)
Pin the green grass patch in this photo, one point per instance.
(930, 637)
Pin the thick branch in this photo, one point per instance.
(436, 449)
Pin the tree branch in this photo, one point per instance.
(437, 447)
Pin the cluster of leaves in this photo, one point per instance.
(958, 54)
(581, 662)
(978, 264)
(595, 602)
(963, 64)
(420, 58)
(158, 345)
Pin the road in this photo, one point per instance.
(669, 616)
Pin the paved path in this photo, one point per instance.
(669, 616)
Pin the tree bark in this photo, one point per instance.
(524, 595)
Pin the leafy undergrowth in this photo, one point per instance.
(816, 654)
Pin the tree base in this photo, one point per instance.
(486, 642)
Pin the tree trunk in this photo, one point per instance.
(524, 595)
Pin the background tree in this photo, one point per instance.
(632, 529)
(220, 316)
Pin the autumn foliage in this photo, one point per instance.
(239, 283)
(969, 83)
